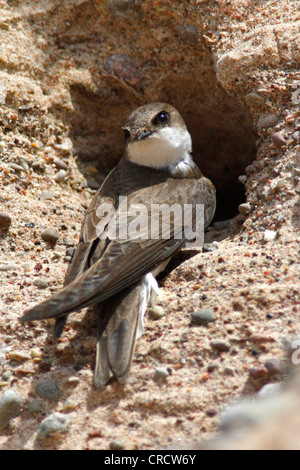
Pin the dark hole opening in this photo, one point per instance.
(223, 150)
(223, 138)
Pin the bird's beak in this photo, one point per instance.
(142, 135)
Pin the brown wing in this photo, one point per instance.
(117, 264)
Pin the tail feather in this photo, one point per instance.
(115, 345)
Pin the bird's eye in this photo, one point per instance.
(127, 134)
(162, 118)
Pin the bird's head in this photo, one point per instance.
(156, 136)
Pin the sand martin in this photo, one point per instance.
(116, 275)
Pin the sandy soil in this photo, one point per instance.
(49, 124)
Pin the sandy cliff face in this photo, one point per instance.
(70, 72)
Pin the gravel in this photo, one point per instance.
(19, 356)
(50, 235)
(10, 407)
(8, 267)
(35, 407)
(53, 424)
(244, 208)
(48, 390)
(5, 221)
(46, 195)
(220, 345)
(161, 374)
(278, 139)
(267, 120)
(203, 316)
(156, 312)
(116, 444)
(60, 176)
(270, 235)
(210, 247)
(60, 164)
(40, 283)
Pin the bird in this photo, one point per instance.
(115, 271)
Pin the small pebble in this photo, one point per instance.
(36, 353)
(17, 168)
(70, 405)
(116, 444)
(8, 267)
(6, 375)
(10, 407)
(50, 235)
(260, 338)
(73, 380)
(290, 118)
(267, 120)
(296, 136)
(280, 219)
(203, 316)
(229, 371)
(35, 407)
(40, 283)
(269, 235)
(244, 208)
(278, 139)
(5, 221)
(60, 164)
(207, 247)
(220, 345)
(161, 374)
(68, 242)
(280, 184)
(213, 366)
(54, 423)
(250, 169)
(258, 376)
(19, 356)
(254, 99)
(242, 179)
(48, 390)
(211, 412)
(156, 312)
(66, 146)
(23, 163)
(60, 176)
(45, 195)
(38, 165)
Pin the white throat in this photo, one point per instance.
(164, 148)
